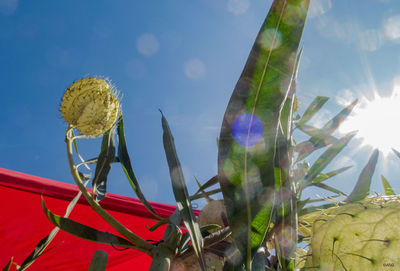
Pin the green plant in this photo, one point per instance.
(261, 169)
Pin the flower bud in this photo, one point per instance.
(91, 105)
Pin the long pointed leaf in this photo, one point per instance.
(396, 152)
(127, 167)
(85, 232)
(388, 189)
(104, 163)
(322, 162)
(248, 135)
(99, 261)
(43, 243)
(9, 264)
(326, 176)
(334, 123)
(362, 188)
(321, 137)
(181, 193)
(312, 109)
(329, 188)
(209, 183)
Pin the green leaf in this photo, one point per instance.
(335, 122)
(205, 194)
(362, 188)
(104, 163)
(312, 109)
(326, 176)
(246, 163)
(396, 152)
(323, 161)
(202, 188)
(313, 209)
(43, 244)
(99, 261)
(181, 193)
(85, 232)
(329, 188)
(321, 137)
(127, 167)
(388, 189)
(8, 265)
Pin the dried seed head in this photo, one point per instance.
(214, 213)
(191, 263)
(91, 105)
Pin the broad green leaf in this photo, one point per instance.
(99, 261)
(246, 158)
(324, 159)
(388, 189)
(104, 163)
(325, 176)
(362, 188)
(181, 193)
(312, 109)
(85, 232)
(127, 167)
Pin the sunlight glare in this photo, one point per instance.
(377, 121)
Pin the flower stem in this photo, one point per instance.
(142, 245)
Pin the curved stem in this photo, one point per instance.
(142, 244)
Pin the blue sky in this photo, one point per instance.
(183, 57)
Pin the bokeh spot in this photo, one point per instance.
(147, 44)
(248, 129)
(271, 39)
(194, 68)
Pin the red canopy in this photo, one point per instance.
(23, 224)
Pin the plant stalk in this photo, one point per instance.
(142, 244)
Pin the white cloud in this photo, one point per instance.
(147, 44)
(344, 97)
(238, 6)
(194, 68)
(319, 7)
(8, 7)
(350, 31)
(391, 28)
(370, 40)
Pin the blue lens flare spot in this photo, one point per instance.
(248, 129)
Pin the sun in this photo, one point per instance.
(377, 122)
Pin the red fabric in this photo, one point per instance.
(23, 223)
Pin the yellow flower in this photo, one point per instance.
(91, 105)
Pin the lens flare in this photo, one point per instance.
(377, 122)
(248, 129)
